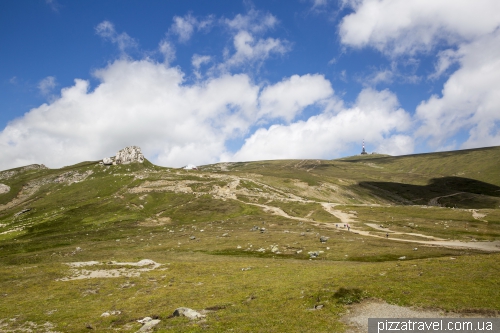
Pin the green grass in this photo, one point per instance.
(211, 255)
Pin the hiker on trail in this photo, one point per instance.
(387, 235)
(337, 225)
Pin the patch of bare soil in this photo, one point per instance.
(176, 186)
(155, 222)
(357, 315)
(476, 215)
(12, 325)
(79, 273)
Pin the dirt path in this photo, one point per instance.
(278, 211)
(387, 230)
(434, 201)
(346, 218)
(232, 189)
(349, 219)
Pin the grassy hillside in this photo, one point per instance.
(242, 242)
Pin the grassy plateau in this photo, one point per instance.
(267, 246)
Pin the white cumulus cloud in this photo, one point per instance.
(470, 99)
(407, 26)
(249, 50)
(147, 104)
(376, 117)
(466, 35)
(287, 98)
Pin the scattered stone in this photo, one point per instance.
(145, 320)
(238, 247)
(254, 228)
(323, 239)
(105, 314)
(225, 235)
(302, 233)
(246, 269)
(192, 238)
(313, 254)
(148, 323)
(298, 251)
(262, 230)
(415, 249)
(274, 248)
(4, 188)
(107, 161)
(402, 258)
(316, 307)
(261, 250)
(188, 313)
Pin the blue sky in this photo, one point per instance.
(198, 82)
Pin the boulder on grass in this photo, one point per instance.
(188, 313)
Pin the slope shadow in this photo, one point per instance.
(446, 191)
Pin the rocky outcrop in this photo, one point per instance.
(33, 167)
(71, 177)
(11, 173)
(127, 155)
(4, 188)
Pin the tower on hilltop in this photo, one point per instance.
(363, 152)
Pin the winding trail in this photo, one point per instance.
(232, 190)
(349, 219)
(434, 201)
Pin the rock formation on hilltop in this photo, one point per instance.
(125, 156)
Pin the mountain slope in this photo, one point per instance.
(257, 243)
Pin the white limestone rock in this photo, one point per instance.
(188, 313)
(129, 155)
(4, 188)
(148, 324)
(107, 161)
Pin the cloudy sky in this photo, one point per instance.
(198, 82)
